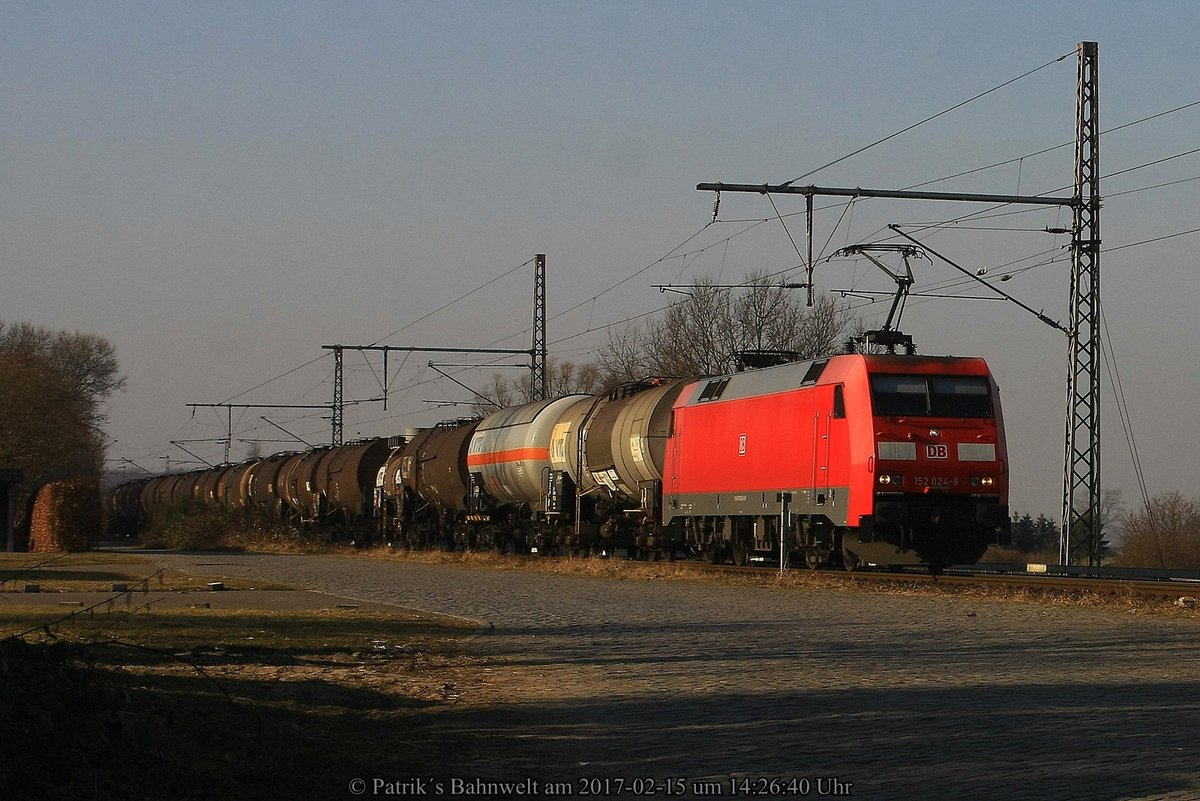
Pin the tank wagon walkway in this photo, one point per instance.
(832, 693)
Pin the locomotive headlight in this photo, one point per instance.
(887, 479)
(982, 481)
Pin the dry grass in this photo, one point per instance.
(797, 580)
(98, 572)
(205, 703)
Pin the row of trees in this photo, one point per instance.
(53, 385)
(1165, 533)
(702, 334)
(1034, 536)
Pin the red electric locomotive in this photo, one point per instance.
(858, 459)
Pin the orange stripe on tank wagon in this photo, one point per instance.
(514, 455)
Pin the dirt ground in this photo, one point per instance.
(247, 693)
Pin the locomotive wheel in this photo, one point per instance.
(850, 560)
(741, 553)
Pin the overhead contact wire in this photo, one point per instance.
(929, 118)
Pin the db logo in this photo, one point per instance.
(937, 451)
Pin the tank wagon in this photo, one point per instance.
(509, 465)
(434, 483)
(856, 459)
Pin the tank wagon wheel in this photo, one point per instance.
(715, 552)
(666, 554)
(662, 554)
(813, 558)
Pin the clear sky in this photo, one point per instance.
(222, 188)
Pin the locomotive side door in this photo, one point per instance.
(829, 406)
(671, 465)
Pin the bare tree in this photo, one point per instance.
(1112, 508)
(46, 429)
(566, 377)
(1166, 533)
(702, 334)
(52, 388)
(562, 378)
(498, 394)
(86, 363)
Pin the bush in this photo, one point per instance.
(1166, 534)
(66, 517)
(192, 526)
(998, 555)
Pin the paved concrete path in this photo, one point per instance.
(836, 693)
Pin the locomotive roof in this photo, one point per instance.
(784, 377)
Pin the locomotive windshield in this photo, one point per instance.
(930, 396)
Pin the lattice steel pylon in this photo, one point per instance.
(1080, 536)
(339, 408)
(537, 362)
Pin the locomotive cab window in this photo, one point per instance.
(931, 396)
(960, 396)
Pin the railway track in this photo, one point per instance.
(1117, 582)
(1121, 587)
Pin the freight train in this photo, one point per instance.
(854, 459)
